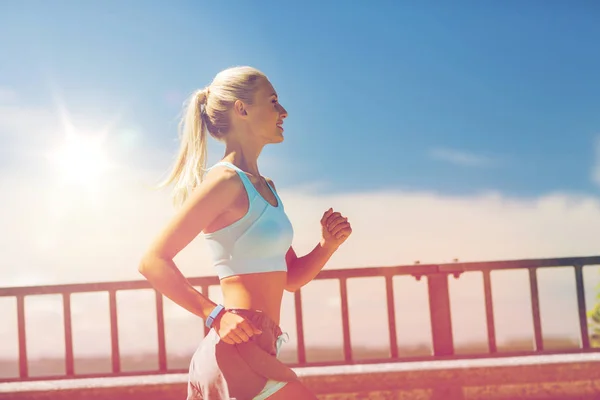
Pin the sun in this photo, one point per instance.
(80, 159)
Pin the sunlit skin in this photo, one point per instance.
(220, 200)
(259, 124)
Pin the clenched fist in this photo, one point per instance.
(335, 229)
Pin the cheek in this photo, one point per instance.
(265, 117)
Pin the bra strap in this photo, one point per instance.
(245, 180)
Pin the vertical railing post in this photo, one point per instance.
(69, 359)
(345, 320)
(299, 327)
(23, 364)
(160, 328)
(489, 312)
(391, 309)
(535, 310)
(439, 311)
(114, 332)
(583, 326)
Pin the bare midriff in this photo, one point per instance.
(257, 291)
(260, 291)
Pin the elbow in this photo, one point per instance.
(291, 289)
(291, 286)
(143, 267)
(147, 266)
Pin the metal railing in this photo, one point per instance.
(439, 305)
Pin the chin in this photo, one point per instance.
(278, 138)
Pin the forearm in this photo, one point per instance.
(305, 269)
(165, 277)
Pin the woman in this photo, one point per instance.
(249, 236)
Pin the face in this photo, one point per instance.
(266, 115)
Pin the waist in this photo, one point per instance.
(260, 319)
(262, 291)
(227, 267)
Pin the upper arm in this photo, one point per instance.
(291, 255)
(207, 201)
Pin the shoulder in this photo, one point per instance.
(218, 184)
(221, 173)
(208, 200)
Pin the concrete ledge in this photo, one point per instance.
(533, 377)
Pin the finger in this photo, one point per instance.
(257, 330)
(241, 334)
(249, 329)
(326, 215)
(339, 228)
(332, 218)
(344, 233)
(336, 222)
(227, 340)
(234, 337)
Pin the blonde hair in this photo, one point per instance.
(207, 109)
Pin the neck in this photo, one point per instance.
(244, 155)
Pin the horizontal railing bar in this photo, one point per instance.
(380, 271)
(372, 361)
(95, 375)
(95, 287)
(475, 356)
(519, 264)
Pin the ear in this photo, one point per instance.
(240, 108)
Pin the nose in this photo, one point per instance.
(282, 112)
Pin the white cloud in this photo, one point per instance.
(57, 235)
(461, 158)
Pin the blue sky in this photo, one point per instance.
(453, 99)
(466, 130)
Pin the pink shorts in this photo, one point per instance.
(220, 371)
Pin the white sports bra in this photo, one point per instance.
(258, 242)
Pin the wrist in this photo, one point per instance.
(331, 247)
(207, 310)
(214, 314)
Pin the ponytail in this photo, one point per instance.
(207, 111)
(190, 165)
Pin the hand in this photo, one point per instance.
(335, 229)
(233, 328)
